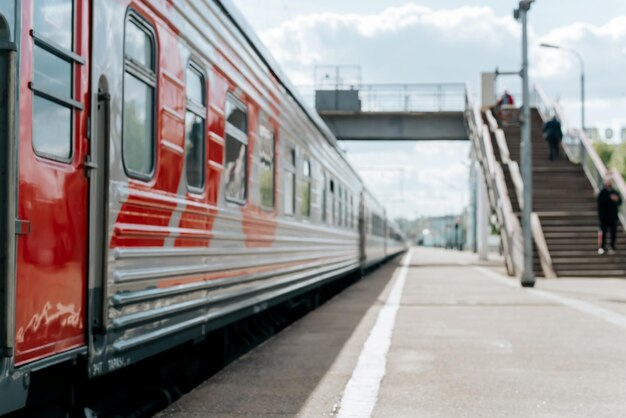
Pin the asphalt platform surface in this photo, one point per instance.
(436, 334)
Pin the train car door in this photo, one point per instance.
(7, 158)
(53, 189)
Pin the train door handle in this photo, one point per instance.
(22, 227)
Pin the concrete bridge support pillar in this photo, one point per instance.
(482, 217)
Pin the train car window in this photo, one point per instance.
(340, 206)
(53, 21)
(53, 63)
(305, 190)
(345, 208)
(350, 209)
(236, 160)
(290, 182)
(324, 198)
(351, 223)
(267, 144)
(378, 226)
(195, 128)
(138, 45)
(332, 203)
(139, 114)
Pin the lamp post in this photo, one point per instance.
(582, 77)
(528, 277)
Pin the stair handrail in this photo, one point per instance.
(510, 230)
(516, 177)
(580, 150)
(505, 155)
(542, 247)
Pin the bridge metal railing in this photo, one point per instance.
(579, 148)
(422, 97)
(508, 223)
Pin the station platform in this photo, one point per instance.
(436, 333)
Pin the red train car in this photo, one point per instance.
(160, 178)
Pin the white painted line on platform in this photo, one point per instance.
(498, 277)
(580, 305)
(361, 392)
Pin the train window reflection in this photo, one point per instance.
(324, 191)
(52, 19)
(305, 190)
(194, 150)
(236, 160)
(236, 115)
(340, 206)
(266, 165)
(378, 226)
(290, 182)
(52, 74)
(333, 216)
(138, 115)
(52, 79)
(138, 45)
(138, 131)
(235, 171)
(195, 86)
(195, 129)
(52, 128)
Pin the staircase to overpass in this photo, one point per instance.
(565, 202)
(564, 220)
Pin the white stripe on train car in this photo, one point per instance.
(361, 392)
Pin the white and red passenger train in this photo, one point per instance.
(159, 177)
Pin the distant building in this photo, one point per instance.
(448, 231)
(593, 133)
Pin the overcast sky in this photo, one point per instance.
(400, 41)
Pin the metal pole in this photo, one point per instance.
(582, 96)
(528, 278)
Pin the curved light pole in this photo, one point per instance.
(582, 77)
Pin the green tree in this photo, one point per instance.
(604, 150)
(618, 159)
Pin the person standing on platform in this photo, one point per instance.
(608, 202)
(553, 134)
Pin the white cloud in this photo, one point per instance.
(412, 43)
(603, 52)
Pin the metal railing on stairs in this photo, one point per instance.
(516, 177)
(510, 229)
(579, 148)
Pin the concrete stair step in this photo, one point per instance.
(592, 273)
(586, 253)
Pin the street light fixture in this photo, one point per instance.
(582, 77)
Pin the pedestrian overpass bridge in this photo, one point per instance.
(563, 223)
(395, 112)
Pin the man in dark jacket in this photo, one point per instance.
(553, 134)
(608, 202)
